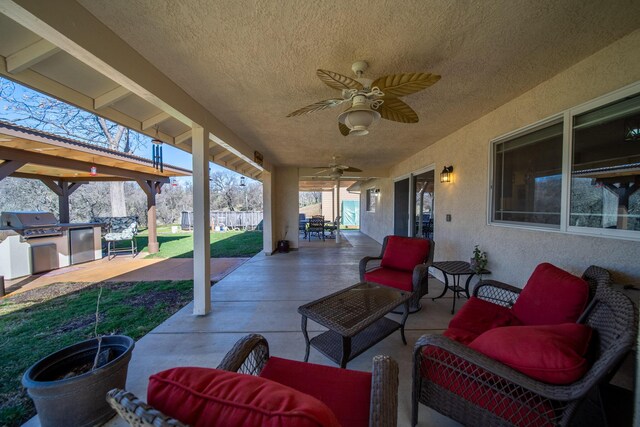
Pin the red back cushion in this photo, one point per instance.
(553, 353)
(551, 296)
(347, 393)
(477, 316)
(210, 397)
(404, 253)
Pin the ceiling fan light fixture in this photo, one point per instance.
(358, 119)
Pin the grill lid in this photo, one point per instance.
(27, 219)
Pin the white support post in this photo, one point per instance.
(268, 208)
(201, 222)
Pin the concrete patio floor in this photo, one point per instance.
(262, 296)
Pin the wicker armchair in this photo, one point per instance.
(503, 396)
(419, 277)
(249, 356)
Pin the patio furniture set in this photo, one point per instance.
(317, 225)
(510, 356)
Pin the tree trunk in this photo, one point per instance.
(118, 205)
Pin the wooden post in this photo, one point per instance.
(201, 221)
(63, 189)
(151, 188)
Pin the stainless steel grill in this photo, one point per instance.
(31, 224)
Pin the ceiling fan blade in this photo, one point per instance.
(404, 84)
(322, 171)
(397, 111)
(338, 81)
(344, 129)
(350, 169)
(320, 105)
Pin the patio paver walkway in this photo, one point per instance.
(125, 269)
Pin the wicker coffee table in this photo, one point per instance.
(356, 320)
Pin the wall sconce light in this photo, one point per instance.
(242, 182)
(377, 191)
(447, 174)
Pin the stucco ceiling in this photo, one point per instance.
(253, 62)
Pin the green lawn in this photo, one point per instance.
(223, 244)
(41, 321)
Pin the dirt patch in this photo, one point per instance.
(49, 292)
(78, 323)
(154, 298)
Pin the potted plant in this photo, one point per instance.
(478, 261)
(69, 386)
(283, 245)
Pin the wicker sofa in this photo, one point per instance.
(471, 388)
(341, 390)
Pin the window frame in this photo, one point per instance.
(567, 118)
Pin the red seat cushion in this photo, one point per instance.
(346, 392)
(551, 296)
(553, 354)
(212, 397)
(404, 253)
(477, 316)
(395, 278)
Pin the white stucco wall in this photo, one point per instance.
(513, 253)
(286, 198)
(379, 223)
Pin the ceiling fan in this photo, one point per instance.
(369, 100)
(335, 170)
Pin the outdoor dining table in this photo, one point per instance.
(456, 269)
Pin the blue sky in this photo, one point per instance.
(171, 154)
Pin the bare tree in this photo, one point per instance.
(32, 109)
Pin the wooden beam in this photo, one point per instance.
(53, 186)
(31, 55)
(216, 150)
(84, 179)
(43, 84)
(111, 97)
(224, 156)
(183, 137)
(152, 121)
(234, 164)
(67, 24)
(64, 163)
(9, 167)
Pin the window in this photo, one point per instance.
(527, 177)
(605, 167)
(577, 173)
(372, 199)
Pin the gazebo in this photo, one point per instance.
(64, 164)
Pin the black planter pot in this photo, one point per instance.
(283, 246)
(80, 400)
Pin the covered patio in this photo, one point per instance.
(262, 296)
(218, 80)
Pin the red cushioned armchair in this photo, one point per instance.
(403, 264)
(272, 392)
(543, 374)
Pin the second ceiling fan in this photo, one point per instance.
(369, 100)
